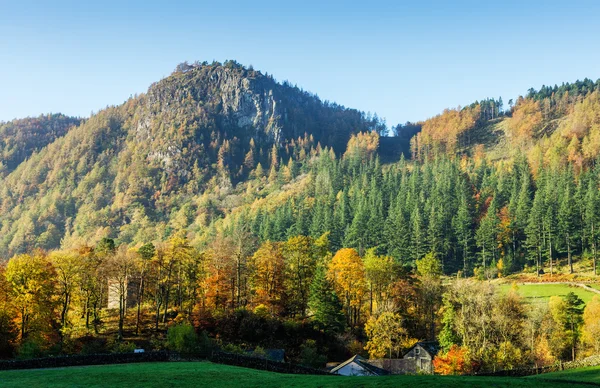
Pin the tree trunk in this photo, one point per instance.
(139, 305)
(594, 249)
(569, 253)
(550, 256)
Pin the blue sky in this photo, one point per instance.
(402, 60)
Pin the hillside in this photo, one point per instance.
(204, 127)
(20, 138)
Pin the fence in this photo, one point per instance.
(262, 364)
(160, 356)
(88, 359)
(586, 362)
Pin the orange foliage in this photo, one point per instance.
(454, 362)
(526, 118)
(220, 266)
(362, 146)
(441, 133)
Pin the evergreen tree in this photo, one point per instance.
(324, 304)
(463, 229)
(592, 217)
(567, 218)
(534, 230)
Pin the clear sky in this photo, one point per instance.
(402, 60)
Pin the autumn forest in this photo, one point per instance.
(223, 209)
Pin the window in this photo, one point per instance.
(417, 351)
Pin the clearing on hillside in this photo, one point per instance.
(541, 292)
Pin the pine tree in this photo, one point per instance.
(463, 229)
(534, 230)
(567, 218)
(324, 304)
(417, 234)
(591, 217)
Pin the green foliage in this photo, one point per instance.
(310, 355)
(31, 348)
(324, 304)
(429, 265)
(183, 338)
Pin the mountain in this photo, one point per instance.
(129, 169)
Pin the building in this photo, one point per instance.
(131, 293)
(358, 366)
(423, 353)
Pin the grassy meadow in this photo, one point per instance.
(206, 374)
(541, 292)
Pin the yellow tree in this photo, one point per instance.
(31, 285)
(267, 275)
(591, 324)
(526, 118)
(379, 272)
(8, 329)
(69, 267)
(347, 272)
(386, 335)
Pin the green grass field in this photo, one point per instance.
(205, 374)
(540, 293)
(584, 375)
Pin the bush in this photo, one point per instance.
(92, 345)
(310, 356)
(235, 349)
(31, 348)
(123, 347)
(183, 338)
(259, 352)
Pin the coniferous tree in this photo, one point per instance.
(534, 230)
(567, 218)
(592, 217)
(324, 304)
(463, 229)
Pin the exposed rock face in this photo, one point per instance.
(245, 99)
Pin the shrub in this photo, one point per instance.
(123, 347)
(310, 356)
(259, 352)
(231, 348)
(30, 348)
(93, 345)
(182, 338)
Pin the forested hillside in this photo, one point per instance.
(139, 171)
(265, 217)
(21, 138)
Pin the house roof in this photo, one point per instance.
(431, 347)
(361, 361)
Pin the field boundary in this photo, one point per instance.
(216, 357)
(584, 363)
